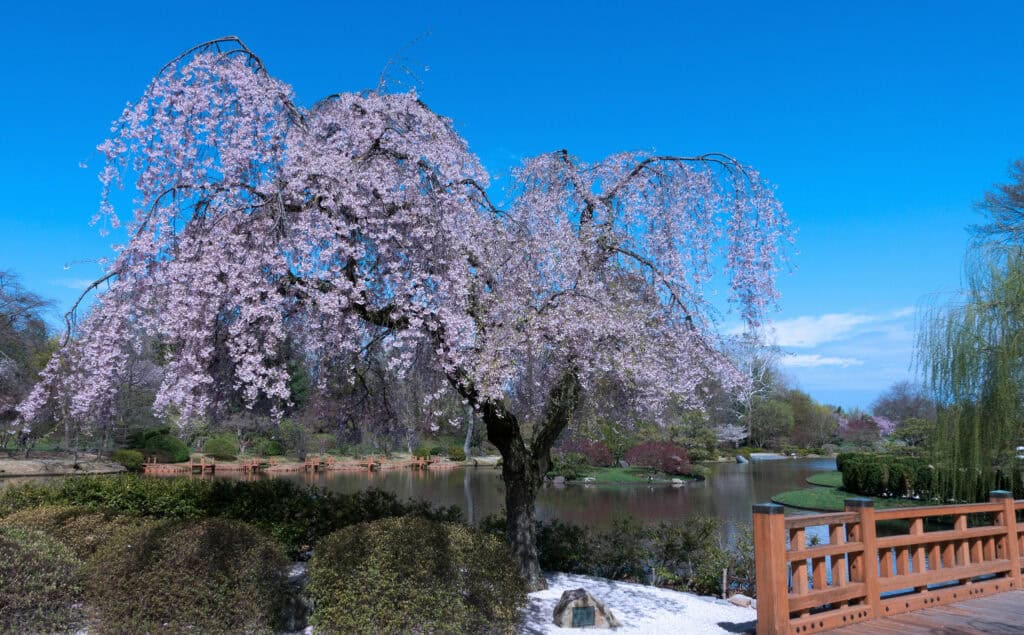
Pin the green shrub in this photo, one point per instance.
(79, 528)
(561, 546)
(132, 460)
(687, 555)
(209, 576)
(166, 447)
(701, 472)
(267, 447)
(456, 453)
(571, 466)
(422, 452)
(436, 450)
(295, 515)
(414, 575)
(223, 447)
(40, 584)
(619, 552)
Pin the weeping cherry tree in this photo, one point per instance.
(364, 220)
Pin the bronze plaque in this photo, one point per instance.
(583, 616)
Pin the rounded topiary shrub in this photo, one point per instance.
(165, 447)
(410, 574)
(82, 530)
(209, 576)
(39, 583)
(132, 460)
(223, 447)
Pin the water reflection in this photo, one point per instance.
(728, 493)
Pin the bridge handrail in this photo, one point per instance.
(859, 576)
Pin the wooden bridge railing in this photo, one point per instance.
(857, 575)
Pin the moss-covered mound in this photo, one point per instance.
(83, 530)
(40, 587)
(209, 576)
(409, 574)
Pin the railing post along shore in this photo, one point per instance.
(886, 576)
(770, 568)
(864, 567)
(1007, 517)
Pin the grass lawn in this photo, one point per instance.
(826, 479)
(832, 499)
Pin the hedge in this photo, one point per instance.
(295, 515)
(223, 447)
(132, 460)
(888, 475)
(208, 576)
(409, 574)
(40, 587)
(81, 529)
(161, 444)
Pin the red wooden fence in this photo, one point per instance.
(858, 575)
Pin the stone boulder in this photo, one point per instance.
(741, 600)
(559, 481)
(577, 608)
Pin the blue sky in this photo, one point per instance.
(880, 122)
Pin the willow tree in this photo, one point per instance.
(973, 353)
(365, 219)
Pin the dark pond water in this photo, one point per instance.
(728, 493)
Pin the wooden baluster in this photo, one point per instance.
(902, 560)
(963, 557)
(819, 569)
(867, 571)
(963, 547)
(885, 564)
(934, 556)
(948, 554)
(917, 529)
(977, 554)
(837, 536)
(1010, 542)
(770, 569)
(798, 542)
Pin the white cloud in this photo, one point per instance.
(809, 331)
(814, 361)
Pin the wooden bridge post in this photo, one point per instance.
(865, 567)
(770, 568)
(1007, 517)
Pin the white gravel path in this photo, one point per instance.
(641, 609)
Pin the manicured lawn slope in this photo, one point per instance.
(832, 499)
(826, 479)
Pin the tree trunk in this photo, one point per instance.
(520, 499)
(524, 466)
(468, 443)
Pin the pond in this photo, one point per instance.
(728, 493)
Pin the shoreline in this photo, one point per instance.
(13, 468)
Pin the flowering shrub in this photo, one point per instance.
(596, 452)
(659, 455)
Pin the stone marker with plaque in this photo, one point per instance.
(578, 609)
